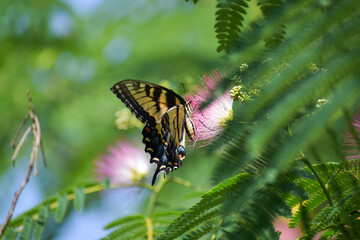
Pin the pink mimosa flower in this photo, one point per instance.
(208, 85)
(125, 164)
(210, 121)
(352, 149)
(281, 225)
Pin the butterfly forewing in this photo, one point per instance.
(148, 101)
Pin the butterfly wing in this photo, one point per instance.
(166, 141)
(153, 140)
(173, 133)
(148, 101)
(173, 122)
(167, 118)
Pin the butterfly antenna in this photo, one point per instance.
(194, 143)
(203, 115)
(204, 124)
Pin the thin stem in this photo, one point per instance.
(149, 228)
(37, 139)
(34, 153)
(43, 153)
(327, 194)
(21, 142)
(184, 183)
(16, 196)
(13, 142)
(154, 195)
(151, 206)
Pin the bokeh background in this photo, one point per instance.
(302, 75)
(68, 54)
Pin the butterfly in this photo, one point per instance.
(166, 115)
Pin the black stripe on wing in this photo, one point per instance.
(173, 131)
(148, 101)
(176, 117)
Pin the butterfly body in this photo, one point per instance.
(166, 116)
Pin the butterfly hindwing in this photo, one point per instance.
(173, 130)
(164, 150)
(153, 140)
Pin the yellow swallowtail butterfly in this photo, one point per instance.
(167, 117)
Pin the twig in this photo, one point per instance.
(35, 128)
(322, 185)
(16, 197)
(37, 139)
(13, 142)
(36, 132)
(43, 153)
(21, 142)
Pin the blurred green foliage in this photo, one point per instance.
(69, 54)
(69, 60)
(298, 93)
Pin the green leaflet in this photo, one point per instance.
(39, 224)
(125, 220)
(10, 234)
(199, 232)
(79, 200)
(128, 231)
(60, 211)
(26, 232)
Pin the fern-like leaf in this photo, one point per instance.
(229, 22)
(139, 226)
(344, 191)
(135, 219)
(269, 8)
(206, 208)
(58, 204)
(199, 232)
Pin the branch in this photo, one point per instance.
(322, 185)
(35, 128)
